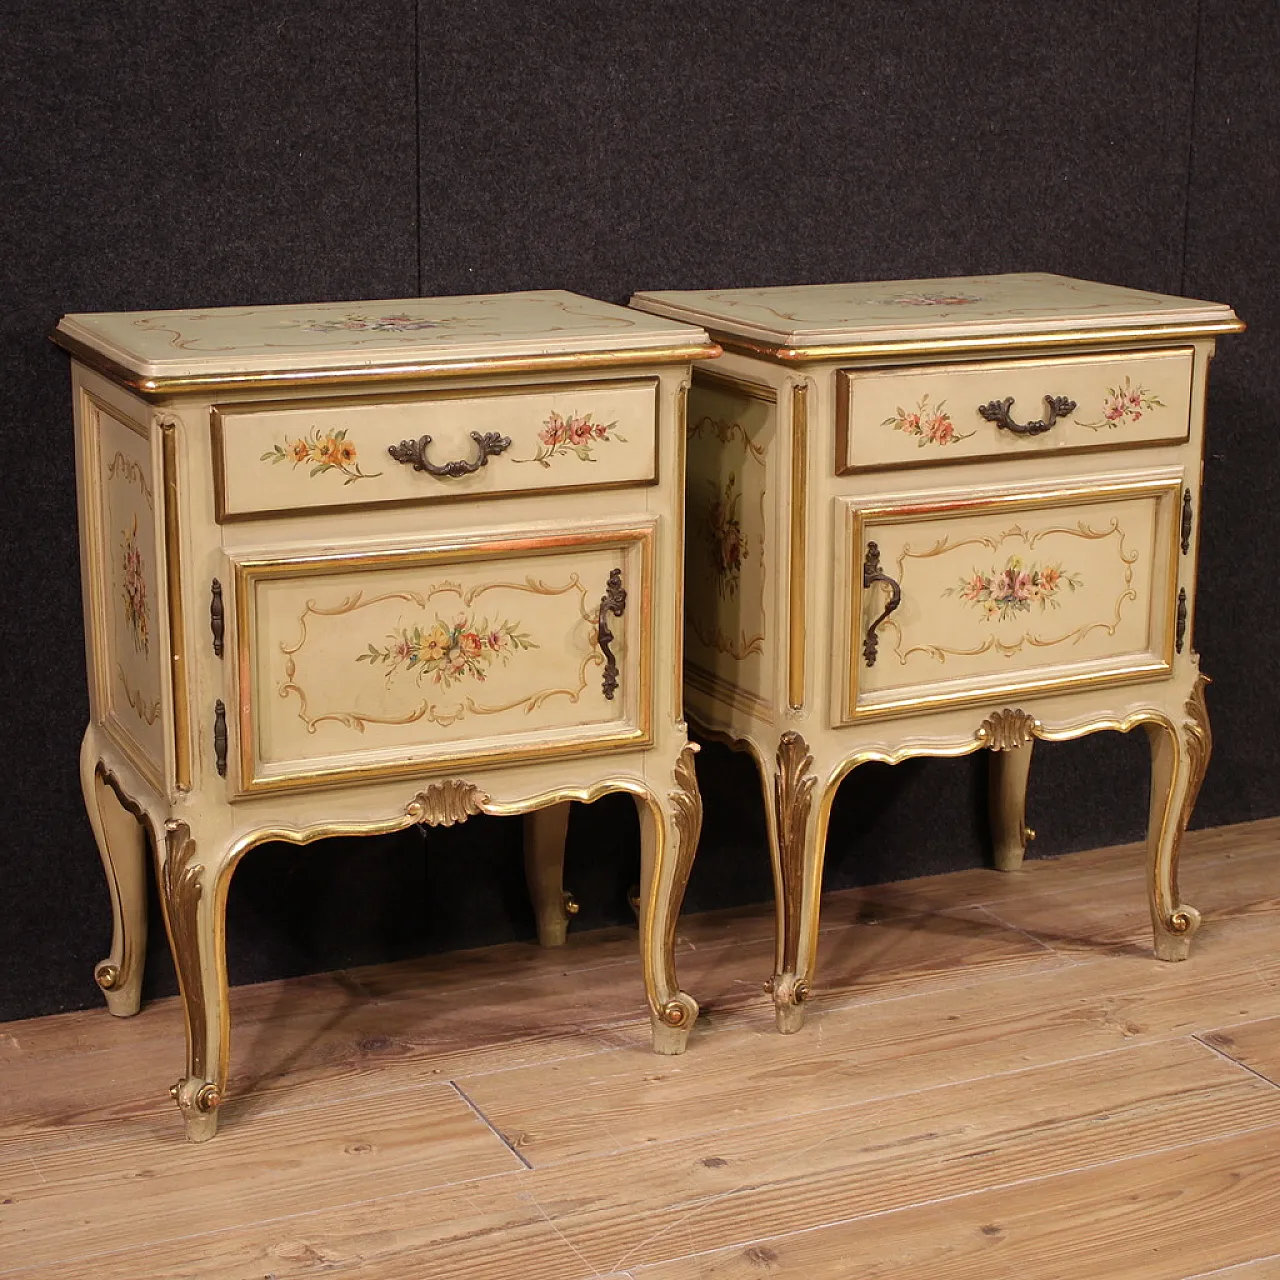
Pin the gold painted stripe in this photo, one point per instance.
(161, 387)
(955, 342)
(799, 531)
(177, 629)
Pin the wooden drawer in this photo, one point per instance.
(1005, 594)
(381, 664)
(932, 414)
(283, 457)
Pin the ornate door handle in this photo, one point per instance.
(871, 572)
(997, 411)
(613, 602)
(414, 453)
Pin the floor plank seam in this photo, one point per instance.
(493, 1129)
(969, 1195)
(1199, 1037)
(869, 1101)
(1235, 1266)
(988, 910)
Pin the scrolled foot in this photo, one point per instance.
(1173, 936)
(198, 1101)
(124, 999)
(672, 1023)
(789, 997)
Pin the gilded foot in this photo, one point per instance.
(789, 997)
(1173, 937)
(198, 1101)
(672, 1023)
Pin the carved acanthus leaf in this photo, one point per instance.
(443, 804)
(1007, 730)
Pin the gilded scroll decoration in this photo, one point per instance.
(1197, 738)
(448, 652)
(686, 808)
(793, 786)
(443, 804)
(148, 711)
(129, 470)
(1005, 593)
(1007, 730)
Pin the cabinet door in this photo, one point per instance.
(390, 663)
(1005, 594)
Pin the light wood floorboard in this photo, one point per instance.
(996, 1078)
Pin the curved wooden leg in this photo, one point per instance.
(1179, 758)
(797, 859)
(194, 913)
(1007, 804)
(118, 827)
(544, 837)
(669, 829)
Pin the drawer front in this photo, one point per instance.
(282, 457)
(1007, 594)
(932, 414)
(387, 664)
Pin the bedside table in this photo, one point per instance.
(929, 517)
(353, 566)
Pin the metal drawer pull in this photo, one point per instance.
(414, 453)
(871, 572)
(997, 411)
(613, 602)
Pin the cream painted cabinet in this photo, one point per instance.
(353, 566)
(936, 516)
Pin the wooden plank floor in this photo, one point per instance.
(996, 1079)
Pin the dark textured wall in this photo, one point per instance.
(174, 154)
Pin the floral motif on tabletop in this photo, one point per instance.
(1123, 405)
(930, 424)
(401, 322)
(1004, 593)
(576, 434)
(327, 451)
(928, 300)
(449, 652)
(726, 544)
(134, 589)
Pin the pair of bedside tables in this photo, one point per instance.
(354, 566)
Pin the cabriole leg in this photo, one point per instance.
(1179, 758)
(797, 875)
(122, 844)
(194, 915)
(669, 829)
(1007, 804)
(545, 831)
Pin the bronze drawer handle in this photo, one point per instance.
(613, 602)
(997, 411)
(871, 572)
(414, 453)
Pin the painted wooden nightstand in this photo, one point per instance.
(931, 516)
(353, 566)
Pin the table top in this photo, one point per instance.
(868, 312)
(392, 333)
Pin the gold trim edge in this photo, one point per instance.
(159, 387)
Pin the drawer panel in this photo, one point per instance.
(282, 457)
(930, 414)
(383, 663)
(1004, 594)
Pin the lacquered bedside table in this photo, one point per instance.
(928, 517)
(353, 566)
